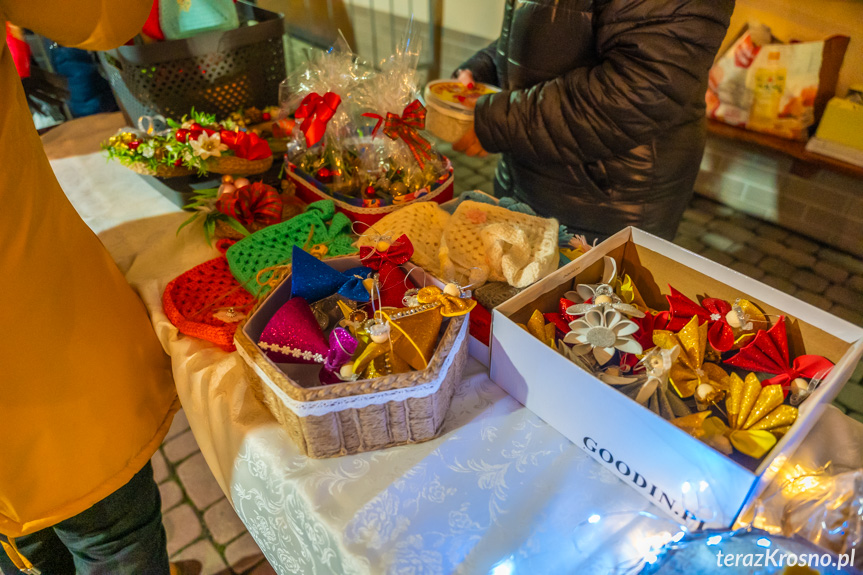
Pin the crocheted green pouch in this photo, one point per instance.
(272, 245)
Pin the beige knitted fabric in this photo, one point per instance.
(422, 222)
(482, 242)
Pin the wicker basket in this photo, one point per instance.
(216, 72)
(354, 417)
(238, 166)
(161, 170)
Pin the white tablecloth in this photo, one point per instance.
(499, 491)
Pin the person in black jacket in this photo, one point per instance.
(600, 121)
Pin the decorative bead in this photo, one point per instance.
(382, 246)
(227, 189)
(241, 182)
(380, 332)
(452, 289)
(346, 371)
(703, 392)
(369, 284)
(733, 319)
(602, 300)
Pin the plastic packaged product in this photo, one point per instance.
(450, 107)
(185, 18)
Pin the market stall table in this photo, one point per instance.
(499, 491)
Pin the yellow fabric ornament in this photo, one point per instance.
(411, 343)
(756, 416)
(537, 327)
(690, 371)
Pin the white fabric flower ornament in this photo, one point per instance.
(206, 146)
(603, 331)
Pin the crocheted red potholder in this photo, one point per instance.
(193, 300)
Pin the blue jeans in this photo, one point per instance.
(120, 535)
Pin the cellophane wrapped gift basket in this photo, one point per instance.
(358, 138)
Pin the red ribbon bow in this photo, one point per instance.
(315, 111)
(255, 203)
(246, 145)
(393, 281)
(406, 127)
(712, 310)
(768, 352)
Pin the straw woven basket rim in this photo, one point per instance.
(161, 171)
(235, 165)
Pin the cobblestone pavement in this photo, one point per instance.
(202, 525)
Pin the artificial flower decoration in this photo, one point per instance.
(207, 145)
(313, 280)
(756, 416)
(256, 203)
(649, 386)
(246, 145)
(537, 327)
(449, 304)
(602, 332)
(600, 296)
(293, 336)
(724, 321)
(768, 352)
(690, 375)
(386, 258)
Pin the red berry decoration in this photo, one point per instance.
(133, 145)
(370, 191)
(266, 116)
(181, 135)
(178, 162)
(324, 173)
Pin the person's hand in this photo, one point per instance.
(469, 143)
(466, 78)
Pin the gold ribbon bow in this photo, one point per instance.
(450, 306)
(690, 371)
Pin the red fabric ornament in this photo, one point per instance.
(768, 353)
(246, 145)
(256, 203)
(647, 325)
(393, 281)
(712, 310)
(560, 318)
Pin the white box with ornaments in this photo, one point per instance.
(685, 478)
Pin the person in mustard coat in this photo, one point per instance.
(86, 393)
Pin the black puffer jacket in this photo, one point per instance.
(601, 117)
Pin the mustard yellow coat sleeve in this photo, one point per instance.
(86, 394)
